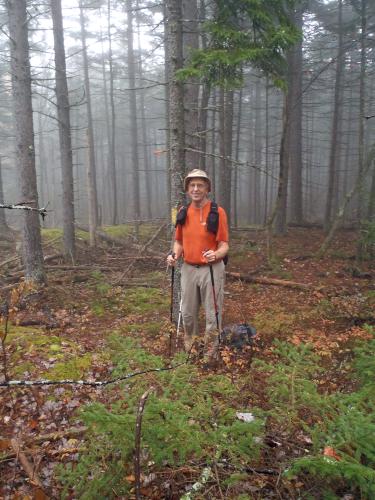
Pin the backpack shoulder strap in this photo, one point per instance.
(182, 214)
(213, 218)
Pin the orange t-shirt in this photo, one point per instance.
(194, 236)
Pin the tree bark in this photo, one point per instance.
(133, 118)
(3, 222)
(63, 115)
(25, 149)
(91, 163)
(226, 131)
(332, 167)
(361, 134)
(144, 128)
(191, 89)
(279, 214)
(295, 145)
(176, 121)
(112, 144)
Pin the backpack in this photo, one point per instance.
(237, 336)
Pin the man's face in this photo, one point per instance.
(197, 189)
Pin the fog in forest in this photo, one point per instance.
(117, 75)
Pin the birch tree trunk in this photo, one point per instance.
(24, 131)
(63, 115)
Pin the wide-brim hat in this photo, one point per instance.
(197, 174)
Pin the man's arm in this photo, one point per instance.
(177, 252)
(221, 251)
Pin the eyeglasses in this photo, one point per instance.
(197, 185)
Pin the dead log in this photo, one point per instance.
(267, 281)
(103, 236)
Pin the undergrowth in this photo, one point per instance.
(187, 418)
(191, 419)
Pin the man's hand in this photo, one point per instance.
(210, 256)
(171, 259)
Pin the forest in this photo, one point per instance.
(105, 106)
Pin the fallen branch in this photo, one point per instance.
(143, 249)
(42, 211)
(137, 450)
(98, 383)
(24, 461)
(267, 281)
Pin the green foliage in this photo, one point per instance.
(353, 475)
(141, 300)
(243, 32)
(290, 385)
(73, 368)
(186, 418)
(348, 427)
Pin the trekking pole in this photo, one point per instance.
(214, 294)
(178, 323)
(172, 286)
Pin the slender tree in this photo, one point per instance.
(335, 123)
(112, 143)
(24, 131)
(90, 158)
(133, 115)
(176, 119)
(63, 115)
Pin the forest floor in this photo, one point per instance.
(92, 322)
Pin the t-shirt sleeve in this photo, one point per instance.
(223, 232)
(178, 233)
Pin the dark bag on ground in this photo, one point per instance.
(237, 336)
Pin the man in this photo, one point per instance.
(201, 238)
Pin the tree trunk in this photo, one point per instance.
(226, 130)
(133, 118)
(335, 125)
(205, 97)
(24, 131)
(361, 134)
(91, 164)
(144, 128)
(63, 115)
(258, 138)
(355, 189)
(176, 121)
(191, 89)
(236, 186)
(295, 145)
(3, 222)
(266, 155)
(279, 214)
(112, 144)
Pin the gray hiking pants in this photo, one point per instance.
(196, 289)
